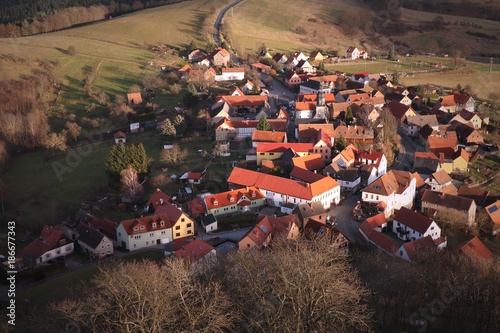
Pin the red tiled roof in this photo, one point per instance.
(197, 206)
(194, 250)
(412, 248)
(305, 106)
(306, 131)
(238, 90)
(224, 199)
(268, 136)
(441, 177)
(475, 249)
(398, 110)
(266, 147)
(447, 100)
(233, 70)
(108, 226)
(135, 97)
(245, 100)
(50, 238)
(378, 238)
(309, 162)
(377, 220)
(461, 99)
(305, 175)
(371, 155)
(120, 134)
(261, 66)
(276, 184)
(146, 223)
(158, 198)
(426, 155)
(413, 220)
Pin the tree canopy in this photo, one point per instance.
(121, 156)
(263, 124)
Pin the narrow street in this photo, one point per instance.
(345, 222)
(405, 157)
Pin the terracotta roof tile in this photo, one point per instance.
(475, 249)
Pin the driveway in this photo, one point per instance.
(344, 220)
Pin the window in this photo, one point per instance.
(147, 243)
(135, 245)
(163, 232)
(178, 234)
(108, 245)
(58, 252)
(377, 197)
(189, 231)
(272, 154)
(215, 203)
(154, 225)
(189, 225)
(261, 153)
(372, 196)
(119, 233)
(102, 246)
(162, 223)
(142, 227)
(151, 234)
(182, 220)
(177, 227)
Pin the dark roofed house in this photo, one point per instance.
(313, 210)
(481, 198)
(92, 242)
(339, 241)
(449, 207)
(409, 225)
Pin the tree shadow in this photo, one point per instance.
(63, 51)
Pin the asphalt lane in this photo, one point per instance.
(218, 22)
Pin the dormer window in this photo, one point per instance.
(154, 225)
(162, 223)
(136, 229)
(232, 200)
(62, 242)
(142, 227)
(215, 203)
(253, 195)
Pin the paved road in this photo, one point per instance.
(405, 157)
(345, 222)
(218, 22)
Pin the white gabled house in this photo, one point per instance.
(395, 189)
(374, 158)
(438, 180)
(409, 226)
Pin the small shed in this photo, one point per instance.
(120, 137)
(209, 222)
(134, 127)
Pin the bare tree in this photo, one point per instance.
(74, 130)
(54, 142)
(160, 181)
(147, 297)
(174, 156)
(130, 183)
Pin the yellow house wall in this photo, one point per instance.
(183, 227)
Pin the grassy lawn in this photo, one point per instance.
(234, 221)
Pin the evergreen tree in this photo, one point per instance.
(263, 124)
(117, 161)
(349, 117)
(168, 129)
(255, 90)
(391, 54)
(341, 143)
(139, 160)
(420, 91)
(395, 77)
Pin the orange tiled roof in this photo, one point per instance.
(474, 248)
(224, 199)
(268, 136)
(194, 250)
(309, 162)
(493, 211)
(276, 184)
(146, 224)
(266, 147)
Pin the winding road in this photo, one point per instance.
(218, 22)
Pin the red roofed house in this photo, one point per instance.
(475, 249)
(323, 145)
(410, 250)
(338, 240)
(371, 229)
(157, 199)
(144, 232)
(292, 79)
(269, 137)
(239, 106)
(197, 206)
(120, 137)
(51, 244)
(352, 53)
(196, 250)
(355, 134)
(196, 56)
(400, 111)
(183, 73)
(220, 57)
(261, 235)
(273, 151)
(278, 190)
(438, 180)
(227, 130)
(375, 158)
(305, 109)
(244, 199)
(457, 102)
(134, 99)
(396, 189)
(313, 162)
(316, 56)
(105, 226)
(409, 225)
